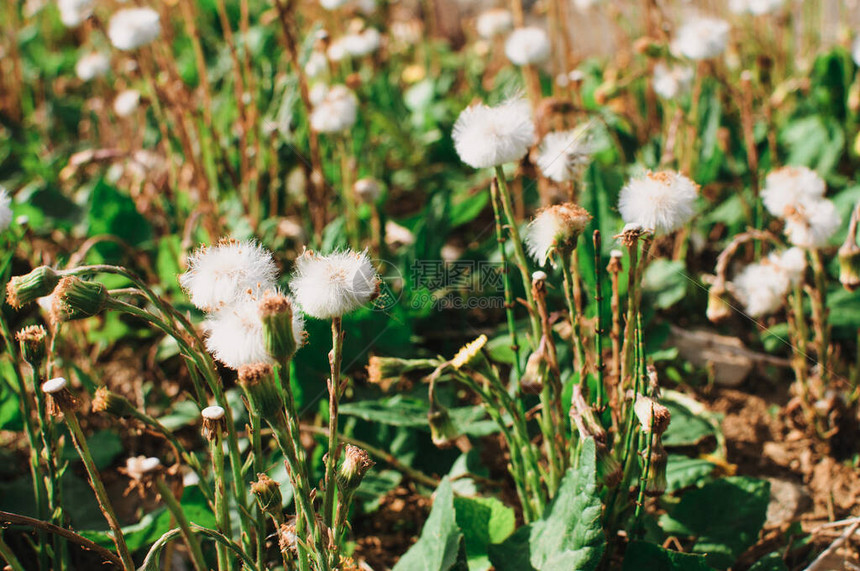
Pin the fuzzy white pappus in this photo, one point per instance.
(755, 7)
(234, 334)
(329, 286)
(810, 223)
(563, 154)
(701, 38)
(137, 467)
(494, 22)
(855, 51)
(491, 136)
(74, 12)
(554, 228)
(131, 28)
(5, 209)
(332, 4)
(792, 262)
(762, 288)
(363, 43)
(672, 82)
(91, 66)
(660, 202)
(786, 187)
(316, 66)
(228, 272)
(126, 102)
(528, 46)
(336, 111)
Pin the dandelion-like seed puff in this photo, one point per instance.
(491, 136)
(660, 202)
(132, 28)
(329, 286)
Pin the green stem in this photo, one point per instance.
(822, 329)
(509, 294)
(222, 515)
(9, 556)
(175, 508)
(600, 401)
(575, 317)
(257, 446)
(519, 253)
(629, 328)
(334, 397)
(80, 443)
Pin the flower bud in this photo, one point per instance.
(23, 289)
(536, 369)
(264, 395)
(214, 423)
(609, 469)
(73, 298)
(33, 345)
(849, 267)
(356, 463)
(112, 403)
(655, 480)
(279, 334)
(470, 355)
(387, 370)
(442, 429)
(653, 416)
(60, 399)
(614, 266)
(719, 308)
(268, 494)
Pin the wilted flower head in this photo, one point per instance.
(660, 202)
(652, 416)
(234, 334)
(672, 82)
(91, 66)
(494, 22)
(139, 467)
(701, 38)
(555, 229)
(329, 286)
(756, 7)
(131, 28)
(74, 12)
(469, 352)
(5, 209)
(126, 102)
(563, 154)
(491, 136)
(528, 46)
(336, 110)
(227, 272)
(787, 186)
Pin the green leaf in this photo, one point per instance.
(104, 445)
(667, 281)
(683, 472)
(412, 413)
(725, 516)
(685, 428)
(644, 556)
(441, 546)
(570, 534)
(484, 521)
(114, 213)
(770, 562)
(10, 413)
(467, 208)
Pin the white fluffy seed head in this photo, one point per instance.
(328, 286)
(810, 223)
(494, 22)
(701, 38)
(126, 102)
(356, 44)
(792, 262)
(786, 187)
(228, 272)
(762, 288)
(74, 12)
(660, 202)
(672, 82)
(554, 229)
(214, 412)
(131, 28)
(491, 136)
(332, 4)
(54, 385)
(755, 7)
(92, 65)
(563, 154)
(855, 51)
(316, 66)
(234, 334)
(137, 467)
(336, 111)
(5, 209)
(528, 46)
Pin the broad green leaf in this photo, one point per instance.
(468, 208)
(10, 413)
(666, 281)
(112, 212)
(104, 445)
(683, 472)
(441, 546)
(725, 516)
(570, 534)
(644, 556)
(412, 413)
(184, 413)
(685, 428)
(483, 521)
